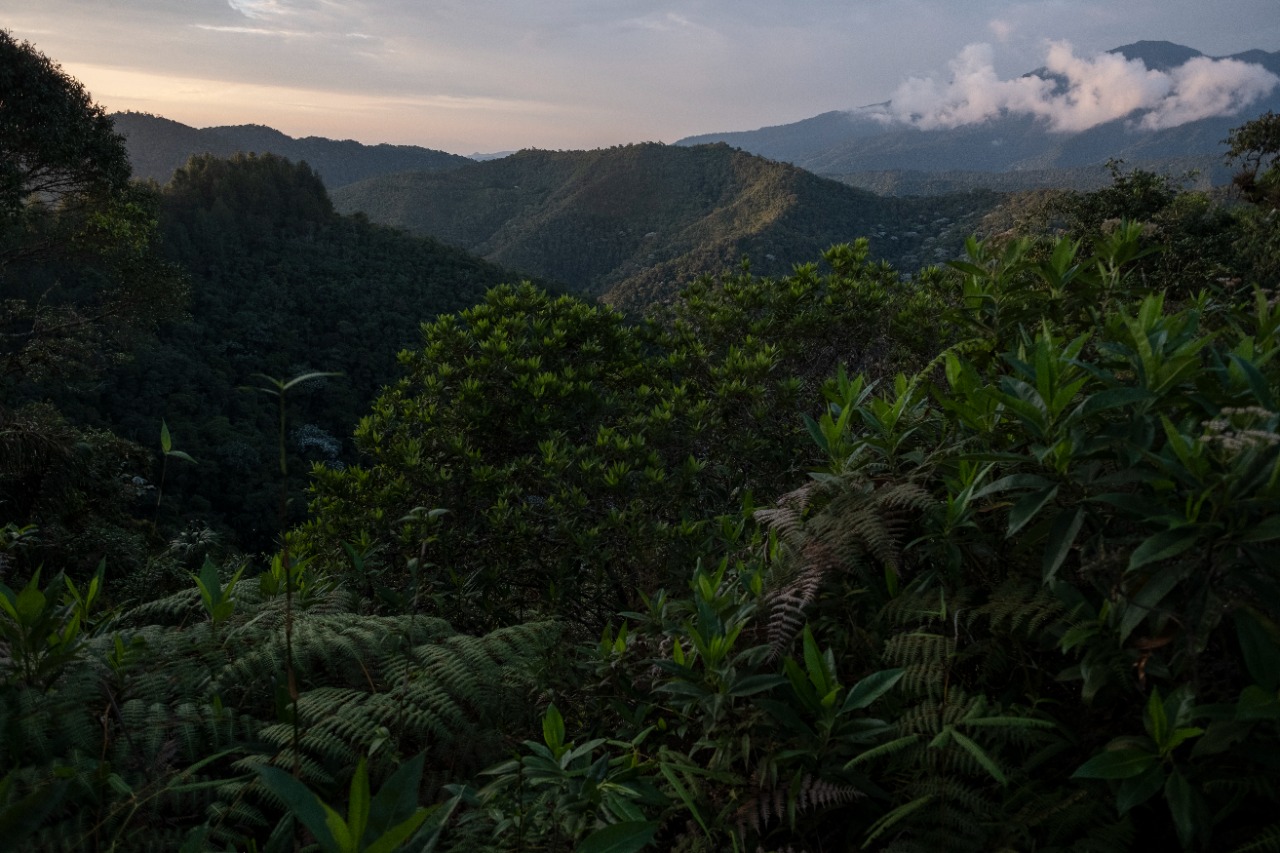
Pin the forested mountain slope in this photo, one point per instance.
(633, 223)
(157, 146)
(280, 285)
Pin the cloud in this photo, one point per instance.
(249, 31)
(1206, 87)
(1078, 93)
(258, 8)
(1001, 29)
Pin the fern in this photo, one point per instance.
(858, 533)
(1267, 840)
(804, 794)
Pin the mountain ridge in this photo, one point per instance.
(159, 146)
(631, 224)
(849, 142)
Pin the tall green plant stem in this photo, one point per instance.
(278, 388)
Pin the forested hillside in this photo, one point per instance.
(917, 182)
(968, 558)
(159, 146)
(632, 224)
(280, 285)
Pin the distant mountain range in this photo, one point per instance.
(158, 146)
(633, 224)
(1007, 153)
(846, 143)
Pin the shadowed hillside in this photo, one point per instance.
(158, 146)
(632, 224)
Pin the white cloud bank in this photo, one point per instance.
(1098, 89)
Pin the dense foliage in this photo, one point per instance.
(980, 560)
(543, 455)
(82, 282)
(280, 285)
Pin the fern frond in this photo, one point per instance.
(1266, 841)
(787, 605)
(925, 659)
(804, 794)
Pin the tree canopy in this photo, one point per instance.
(55, 142)
(78, 247)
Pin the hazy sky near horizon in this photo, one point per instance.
(490, 75)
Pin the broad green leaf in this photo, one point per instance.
(1257, 382)
(166, 441)
(871, 688)
(178, 454)
(1190, 813)
(358, 801)
(626, 837)
(1135, 505)
(438, 815)
(1259, 647)
(685, 797)
(815, 432)
(1026, 508)
(1136, 790)
(1179, 736)
(30, 604)
(981, 757)
(1257, 704)
(1163, 545)
(1155, 719)
(343, 840)
(397, 798)
(302, 803)
(393, 838)
(882, 749)
(1186, 448)
(1062, 535)
(1149, 597)
(8, 602)
(1011, 722)
(1113, 398)
(755, 684)
(888, 821)
(816, 668)
(1013, 481)
(1115, 764)
(1267, 530)
(553, 728)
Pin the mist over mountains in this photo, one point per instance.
(1154, 104)
(1144, 83)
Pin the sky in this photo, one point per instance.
(494, 75)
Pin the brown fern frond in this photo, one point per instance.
(806, 793)
(865, 521)
(786, 516)
(787, 605)
(784, 521)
